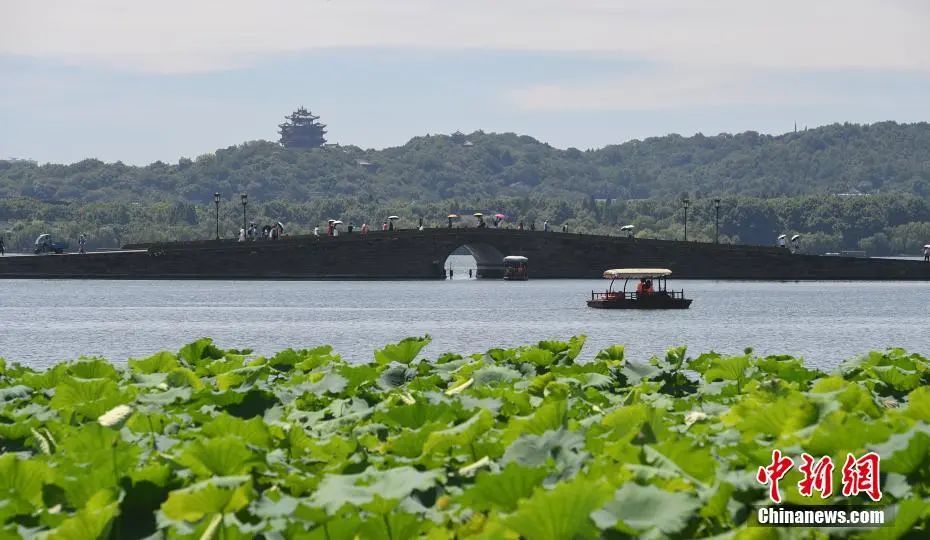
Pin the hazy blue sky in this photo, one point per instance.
(140, 81)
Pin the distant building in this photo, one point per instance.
(367, 165)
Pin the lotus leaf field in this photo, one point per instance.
(535, 442)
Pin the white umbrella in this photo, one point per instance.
(392, 218)
(627, 228)
(337, 222)
(795, 238)
(478, 214)
(782, 236)
(330, 221)
(926, 246)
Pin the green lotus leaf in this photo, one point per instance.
(95, 520)
(502, 490)
(21, 483)
(559, 513)
(562, 450)
(644, 509)
(181, 377)
(392, 526)
(196, 352)
(551, 415)
(907, 452)
(541, 358)
(403, 352)
(12, 393)
(918, 404)
(337, 490)
(417, 414)
(93, 368)
(89, 398)
(730, 368)
(858, 435)
(331, 383)
(162, 362)
(252, 431)
(565, 351)
(495, 375)
(218, 495)
(788, 369)
(219, 456)
(459, 436)
(613, 354)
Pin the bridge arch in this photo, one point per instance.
(488, 259)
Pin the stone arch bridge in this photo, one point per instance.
(413, 254)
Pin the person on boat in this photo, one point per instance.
(641, 287)
(647, 288)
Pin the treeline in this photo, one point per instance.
(877, 158)
(880, 224)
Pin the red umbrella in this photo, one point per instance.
(499, 216)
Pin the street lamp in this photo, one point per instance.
(245, 201)
(716, 221)
(216, 200)
(685, 202)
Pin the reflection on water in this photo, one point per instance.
(45, 321)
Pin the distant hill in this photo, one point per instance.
(883, 157)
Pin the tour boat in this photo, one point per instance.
(515, 268)
(645, 296)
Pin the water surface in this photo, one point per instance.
(42, 322)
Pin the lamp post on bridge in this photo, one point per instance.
(717, 221)
(245, 201)
(685, 202)
(216, 201)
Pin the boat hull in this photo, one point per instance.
(657, 302)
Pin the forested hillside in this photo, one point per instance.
(841, 186)
(838, 158)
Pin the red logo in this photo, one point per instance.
(859, 475)
(818, 476)
(773, 473)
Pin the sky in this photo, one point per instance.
(157, 80)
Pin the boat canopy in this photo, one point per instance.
(515, 259)
(636, 273)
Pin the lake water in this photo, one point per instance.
(42, 322)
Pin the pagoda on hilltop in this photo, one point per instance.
(302, 130)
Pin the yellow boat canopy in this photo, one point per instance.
(636, 273)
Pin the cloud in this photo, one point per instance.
(180, 36)
(667, 88)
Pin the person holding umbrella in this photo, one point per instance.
(391, 222)
(451, 217)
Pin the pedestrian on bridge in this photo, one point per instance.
(2, 247)
(546, 226)
(564, 228)
(926, 251)
(81, 241)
